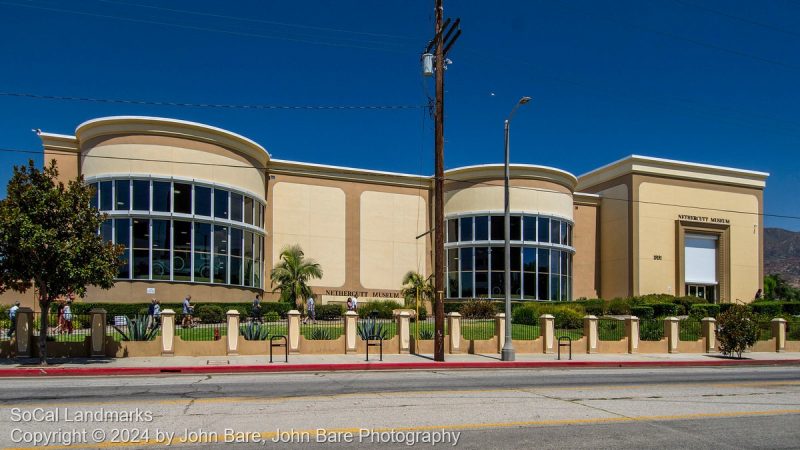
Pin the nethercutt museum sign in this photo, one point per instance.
(703, 219)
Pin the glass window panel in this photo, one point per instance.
(515, 259)
(481, 258)
(95, 196)
(141, 264)
(452, 284)
(106, 230)
(105, 196)
(516, 228)
(498, 258)
(529, 285)
(236, 207)
(220, 240)
(452, 259)
(555, 231)
(248, 244)
(182, 266)
(529, 259)
(544, 229)
(220, 203)
(554, 262)
(122, 232)
(202, 237)
(564, 233)
(516, 285)
(161, 196)
(161, 238)
(248, 210)
(555, 282)
(124, 270)
(141, 195)
(481, 284)
(141, 233)
(202, 201)
(564, 289)
(258, 215)
(161, 265)
(182, 234)
(497, 228)
(257, 274)
(498, 284)
(466, 259)
(202, 267)
(466, 228)
(236, 271)
(247, 280)
(220, 268)
(452, 230)
(236, 242)
(482, 228)
(529, 228)
(466, 285)
(544, 260)
(257, 252)
(543, 287)
(122, 195)
(182, 197)
(564, 263)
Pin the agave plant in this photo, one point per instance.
(425, 333)
(254, 332)
(370, 329)
(139, 328)
(320, 334)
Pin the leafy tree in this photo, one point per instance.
(413, 283)
(291, 275)
(777, 288)
(49, 240)
(738, 330)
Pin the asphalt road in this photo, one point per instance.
(754, 407)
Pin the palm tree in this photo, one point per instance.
(291, 275)
(414, 282)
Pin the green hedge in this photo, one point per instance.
(664, 309)
(792, 308)
(331, 311)
(385, 309)
(701, 310)
(770, 309)
(619, 306)
(210, 313)
(132, 309)
(643, 312)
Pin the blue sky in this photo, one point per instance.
(705, 81)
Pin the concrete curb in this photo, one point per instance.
(283, 367)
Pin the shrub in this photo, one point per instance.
(568, 319)
(619, 306)
(768, 309)
(792, 308)
(478, 309)
(687, 302)
(664, 309)
(330, 311)
(254, 331)
(279, 307)
(651, 330)
(452, 307)
(425, 333)
(595, 307)
(700, 310)
(643, 312)
(370, 329)
(385, 309)
(525, 315)
(210, 313)
(272, 316)
(656, 298)
(320, 334)
(737, 331)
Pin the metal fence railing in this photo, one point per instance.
(764, 330)
(137, 327)
(610, 329)
(651, 330)
(793, 330)
(477, 329)
(572, 333)
(690, 330)
(523, 332)
(190, 329)
(65, 327)
(262, 329)
(426, 328)
(323, 330)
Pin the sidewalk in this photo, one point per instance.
(317, 363)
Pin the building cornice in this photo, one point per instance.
(517, 172)
(302, 169)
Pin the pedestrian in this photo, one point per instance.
(255, 311)
(758, 294)
(355, 303)
(349, 303)
(156, 313)
(60, 320)
(68, 317)
(311, 313)
(151, 308)
(12, 314)
(188, 310)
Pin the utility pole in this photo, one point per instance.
(442, 41)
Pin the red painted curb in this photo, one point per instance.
(283, 367)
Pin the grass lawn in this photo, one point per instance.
(203, 332)
(571, 333)
(520, 332)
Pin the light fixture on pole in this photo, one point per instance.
(507, 354)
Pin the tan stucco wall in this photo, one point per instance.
(67, 164)
(389, 248)
(657, 232)
(213, 163)
(313, 217)
(614, 243)
(585, 282)
(547, 199)
(169, 292)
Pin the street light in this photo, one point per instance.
(507, 353)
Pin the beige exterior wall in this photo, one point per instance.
(585, 279)
(67, 164)
(389, 248)
(314, 218)
(614, 242)
(490, 198)
(657, 232)
(169, 292)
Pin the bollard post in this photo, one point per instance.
(547, 327)
(500, 330)
(293, 330)
(404, 331)
(454, 329)
(232, 347)
(98, 327)
(167, 332)
(779, 331)
(350, 332)
(590, 331)
(632, 329)
(671, 332)
(24, 332)
(709, 329)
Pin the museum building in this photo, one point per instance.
(206, 212)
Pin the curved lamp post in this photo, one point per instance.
(507, 354)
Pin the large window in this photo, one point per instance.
(540, 260)
(149, 218)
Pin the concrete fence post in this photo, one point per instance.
(671, 333)
(167, 332)
(779, 331)
(454, 328)
(709, 329)
(632, 330)
(232, 347)
(293, 330)
(98, 327)
(590, 331)
(350, 331)
(404, 331)
(24, 332)
(500, 330)
(547, 328)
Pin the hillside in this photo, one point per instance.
(782, 254)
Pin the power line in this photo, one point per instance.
(207, 105)
(739, 18)
(312, 172)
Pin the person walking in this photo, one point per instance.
(156, 314)
(12, 314)
(355, 303)
(60, 321)
(311, 313)
(188, 310)
(255, 311)
(68, 317)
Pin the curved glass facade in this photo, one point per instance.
(176, 230)
(541, 257)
